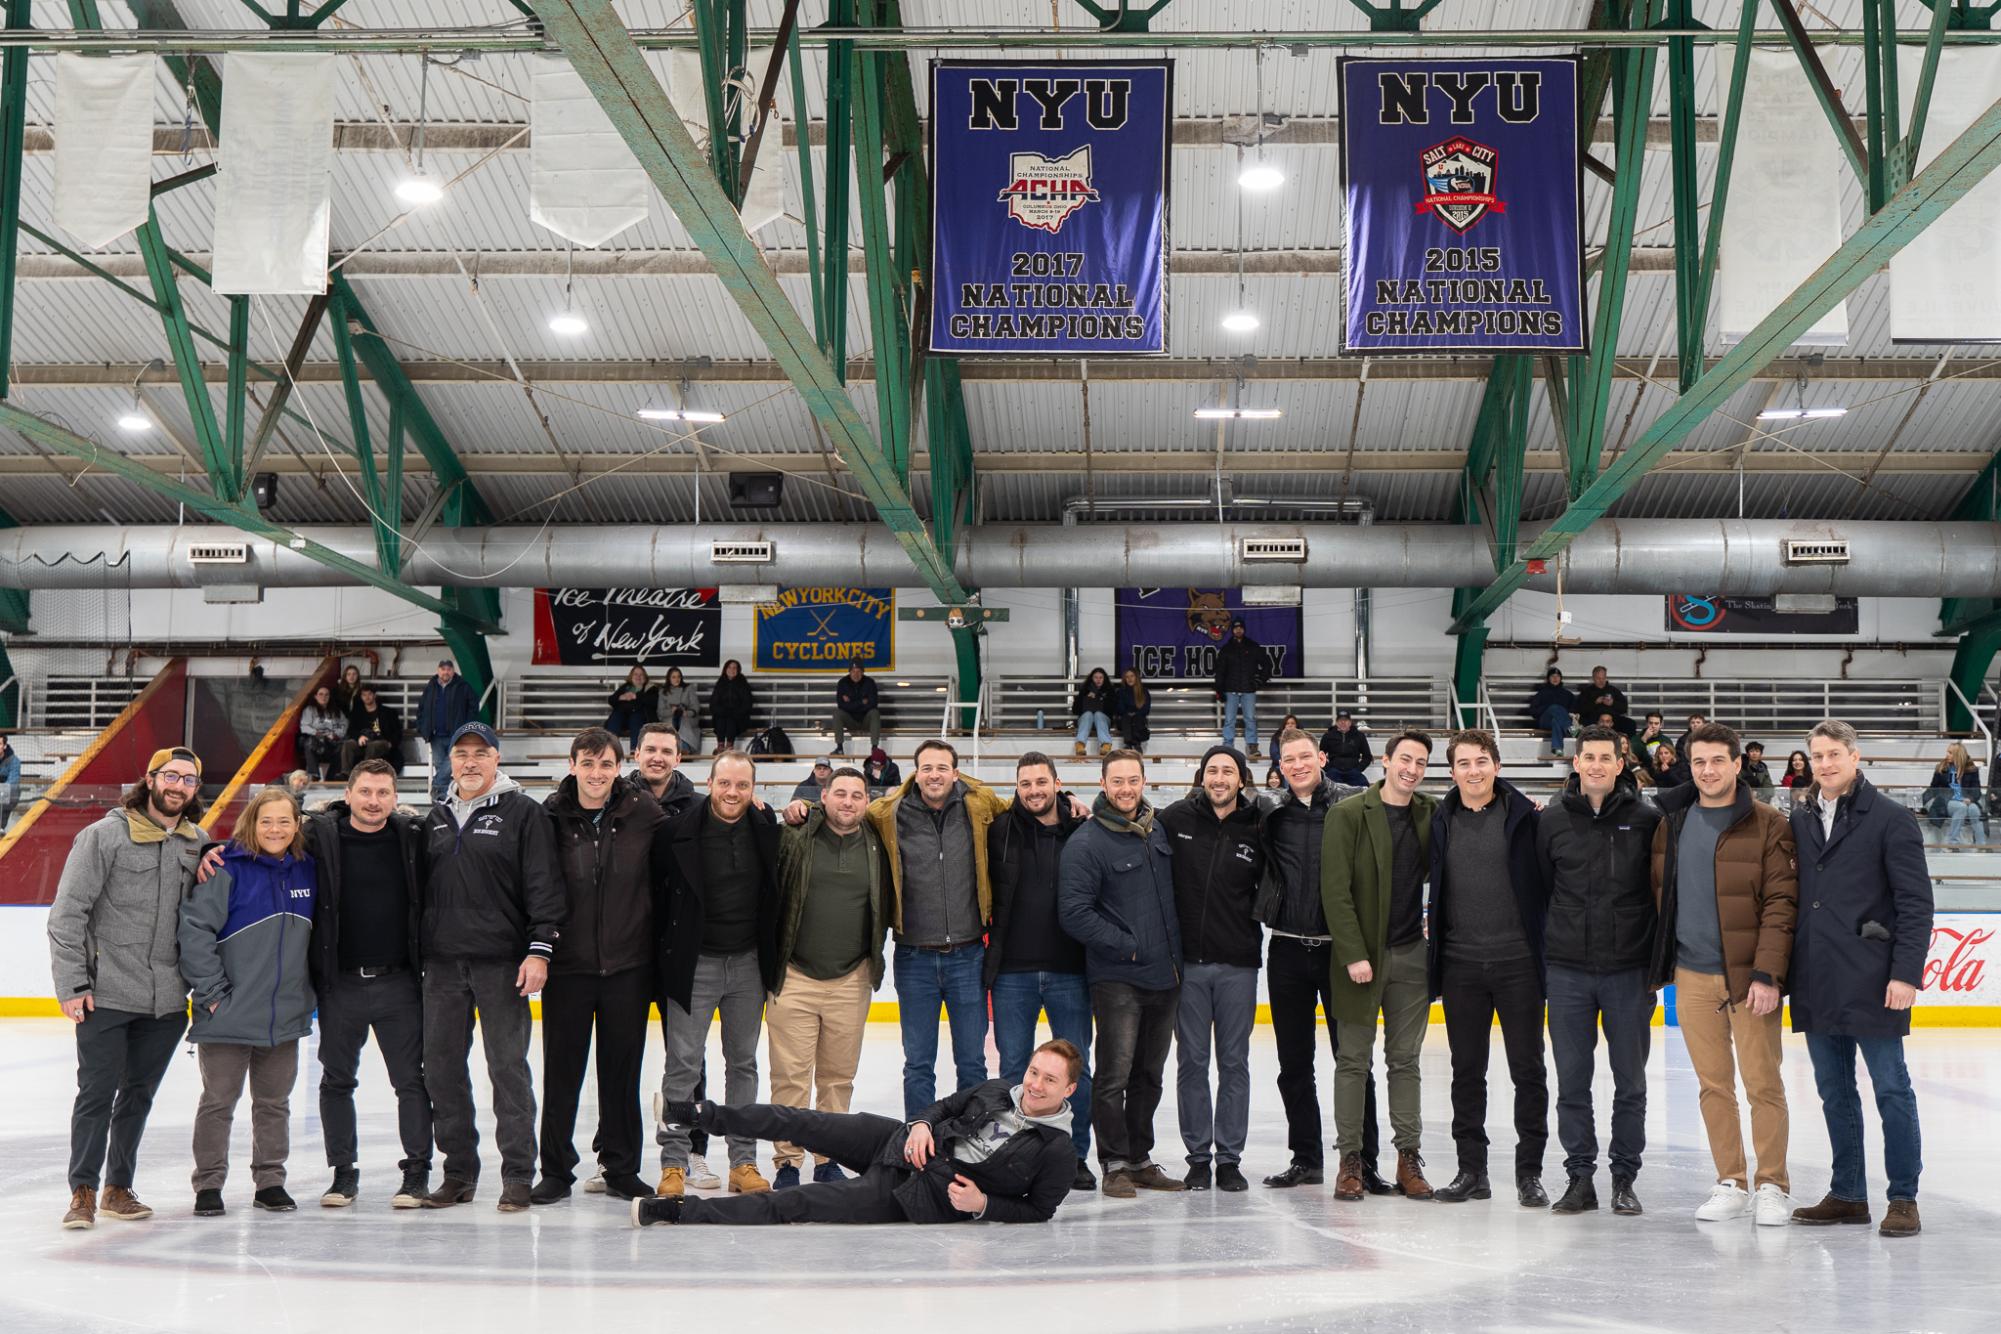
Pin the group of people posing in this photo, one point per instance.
(1137, 930)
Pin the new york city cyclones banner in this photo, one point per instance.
(824, 629)
(1464, 222)
(1049, 207)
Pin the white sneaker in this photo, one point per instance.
(1727, 1201)
(595, 1186)
(1772, 1208)
(699, 1175)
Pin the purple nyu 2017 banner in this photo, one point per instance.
(1049, 206)
(1172, 634)
(1465, 220)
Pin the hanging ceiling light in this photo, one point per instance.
(699, 416)
(135, 418)
(420, 189)
(1238, 414)
(1242, 321)
(567, 322)
(1260, 175)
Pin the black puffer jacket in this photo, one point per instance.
(680, 794)
(322, 835)
(1116, 898)
(608, 871)
(1023, 1182)
(1346, 750)
(1289, 899)
(494, 890)
(1217, 867)
(1242, 667)
(1599, 868)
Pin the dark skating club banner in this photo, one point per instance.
(1708, 614)
(1173, 633)
(1049, 206)
(1464, 217)
(668, 627)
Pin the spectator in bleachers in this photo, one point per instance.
(1242, 669)
(297, 784)
(1131, 702)
(375, 732)
(445, 706)
(1550, 708)
(10, 781)
(729, 706)
(1757, 774)
(857, 706)
(322, 727)
(1670, 767)
(347, 689)
(681, 709)
(1602, 695)
(1695, 720)
(1955, 787)
(1636, 768)
(1346, 749)
(812, 785)
(882, 774)
(1092, 708)
(1650, 733)
(1799, 773)
(633, 703)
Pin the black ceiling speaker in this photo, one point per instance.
(264, 489)
(756, 490)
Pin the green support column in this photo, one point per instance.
(834, 254)
(1690, 312)
(809, 208)
(1469, 651)
(1970, 662)
(13, 130)
(889, 327)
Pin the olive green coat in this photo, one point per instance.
(1355, 893)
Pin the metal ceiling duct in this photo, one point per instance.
(1741, 557)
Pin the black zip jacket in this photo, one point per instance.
(1524, 872)
(1217, 867)
(1599, 869)
(1346, 750)
(608, 871)
(679, 866)
(1242, 667)
(1093, 698)
(680, 793)
(1289, 898)
(493, 889)
(1023, 1182)
(730, 697)
(1009, 838)
(322, 835)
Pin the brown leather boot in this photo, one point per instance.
(119, 1202)
(1410, 1177)
(1348, 1178)
(1900, 1220)
(1832, 1210)
(82, 1209)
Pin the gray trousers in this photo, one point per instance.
(732, 984)
(1218, 1000)
(120, 1059)
(272, 1071)
(452, 988)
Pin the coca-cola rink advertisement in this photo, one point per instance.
(1962, 982)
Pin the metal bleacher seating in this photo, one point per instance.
(1767, 708)
(566, 703)
(1380, 704)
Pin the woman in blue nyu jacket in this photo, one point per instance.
(245, 937)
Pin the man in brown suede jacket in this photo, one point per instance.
(1728, 895)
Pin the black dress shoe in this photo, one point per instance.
(1466, 1186)
(1199, 1177)
(1299, 1174)
(1083, 1180)
(1372, 1180)
(1579, 1196)
(1623, 1199)
(1529, 1190)
(549, 1190)
(1230, 1177)
(274, 1199)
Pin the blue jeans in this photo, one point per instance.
(926, 979)
(441, 766)
(625, 723)
(1557, 719)
(1841, 1103)
(1091, 720)
(1579, 1002)
(1245, 701)
(1965, 815)
(1018, 999)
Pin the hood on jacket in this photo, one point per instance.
(460, 808)
(143, 829)
(1056, 1120)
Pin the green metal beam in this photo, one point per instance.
(13, 131)
(1133, 15)
(65, 441)
(834, 253)
(889, 321)
(1904, 158)
(1394, 16)
(225, 469)
(1970, 662)
(1690, 312)
(591, 34)
(1726, 154)
(1823, 86)
(384, 518)
(1964, 164)
(809, 206)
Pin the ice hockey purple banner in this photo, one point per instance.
(1173, 633)
(1465, 216)
(1049, 206)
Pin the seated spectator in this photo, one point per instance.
(1550, 708)
(322, 728)
(1092, 708)
(1799, 773)
(881, 774)
(348, 689)
(1346, 747)
(681, 709)
(1602, 696)
(1635, 768)
(813, 784)
(1953, 799)
(1670, 770)
(1757, 774)
(1131, 703)
(633, 704)
(729, 706)
(374, 732)
(1695, 720)
(10, 781)
(297, 784)
(1650, 734)
(857, 706)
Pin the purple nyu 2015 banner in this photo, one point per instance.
(1173, 633)
(1049, 206)
(1465, 221)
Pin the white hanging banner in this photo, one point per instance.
(272, 210)
(764, 203)
(583, 182)
(1783, 216)
(1945, 286)
(104, 145)
(686, 92)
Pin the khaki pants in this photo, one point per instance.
(1713, 1031)
(816, 1032)
(272, 1072)
(1406, 1010)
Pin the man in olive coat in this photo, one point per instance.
(1374, 857)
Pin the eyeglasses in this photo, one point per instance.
(176, 780)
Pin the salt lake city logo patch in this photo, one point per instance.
(1043, 192)
(1460, 177)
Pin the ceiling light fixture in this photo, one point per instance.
(1238, 414)
(419, 189)
(1260, 176)
(567, 322)
(699, 416)
(135, 418)
(1794, 414)
(1242, 321)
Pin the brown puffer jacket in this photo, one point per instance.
(1757, 890)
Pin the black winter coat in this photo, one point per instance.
(1594, 700)
(1524, 870)
(680, 793)
(645, 700)
(1008, 839)
(856, 698)
(1599, 869)
(608, 871)
(1242, 667)
(680, 944)
(1093, 698)
(322, 834)
(1547, 695)
(1870, 875)
(1289, 898)
(730, 697)
(1346, 750)
(1116, 899)
(1218, 865)
(1023, 1182)
(493, 889)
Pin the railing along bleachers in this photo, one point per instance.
(66, 703)
(1380, 704)
(1756, 708)
(567, 703)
